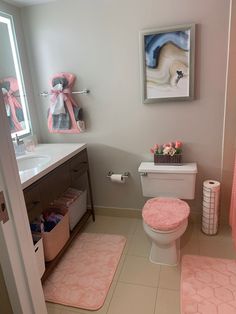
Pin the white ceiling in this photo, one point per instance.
(23, 3)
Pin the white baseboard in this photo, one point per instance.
(118, 212)
(195, 216)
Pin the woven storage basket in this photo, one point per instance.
(54, 240)
(167, 159)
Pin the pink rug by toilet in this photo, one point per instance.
(84, 274)
(208, 285)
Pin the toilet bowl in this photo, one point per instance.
(165, 217)
(165, 248)
(164, 221)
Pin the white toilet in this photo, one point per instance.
(165, 217)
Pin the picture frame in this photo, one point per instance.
(167, 59)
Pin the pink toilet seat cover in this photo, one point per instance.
(164, 213)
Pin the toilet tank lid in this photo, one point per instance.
(164, 168)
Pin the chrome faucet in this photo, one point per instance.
(18, 141)
(19, 146)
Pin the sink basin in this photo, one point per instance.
(32, 162)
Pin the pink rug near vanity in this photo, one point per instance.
(208, 285)
(84, 274)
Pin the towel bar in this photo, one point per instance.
(84, 91)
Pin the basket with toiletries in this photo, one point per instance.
(75, 202)
(53, 227)
(39, 254)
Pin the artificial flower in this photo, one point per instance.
(171, 148)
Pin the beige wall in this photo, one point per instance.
(6, 62)
(99, 42)
(230, 118)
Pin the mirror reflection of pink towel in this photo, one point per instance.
(61, 116)
(232, 217)
(9, 86)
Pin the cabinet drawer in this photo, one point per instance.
(79, 164)
(33, 201)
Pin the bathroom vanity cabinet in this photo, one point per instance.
(71, 173)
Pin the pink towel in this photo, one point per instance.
(62, 104)
(232, 217)
(8, 90)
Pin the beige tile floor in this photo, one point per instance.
(140, 287)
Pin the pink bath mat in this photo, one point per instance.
(84, 274)
(208, 285)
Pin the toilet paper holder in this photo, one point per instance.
(124, 175)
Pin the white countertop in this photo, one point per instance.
(58, 154)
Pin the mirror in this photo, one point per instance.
(11, 79)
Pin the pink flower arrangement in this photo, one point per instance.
(172, 148)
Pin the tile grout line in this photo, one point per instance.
(155, 307)
(157, 289)
(138, 284)
(116, 281)
(108, 306)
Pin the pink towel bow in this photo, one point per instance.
(6, 97)
(56, 93)
(10, 99)
(62, 102)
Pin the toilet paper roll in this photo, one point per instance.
(210, 206)
(210, 185)
(117, 178)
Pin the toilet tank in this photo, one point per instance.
(168, 180)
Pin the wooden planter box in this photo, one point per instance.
(167, 159)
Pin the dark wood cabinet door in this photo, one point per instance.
(72, 173)
(33, 201)
(78, 166)
(54, 184)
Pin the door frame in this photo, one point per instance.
(17, 256)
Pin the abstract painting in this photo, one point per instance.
(168, 63)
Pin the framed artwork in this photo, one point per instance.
(168, 63)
